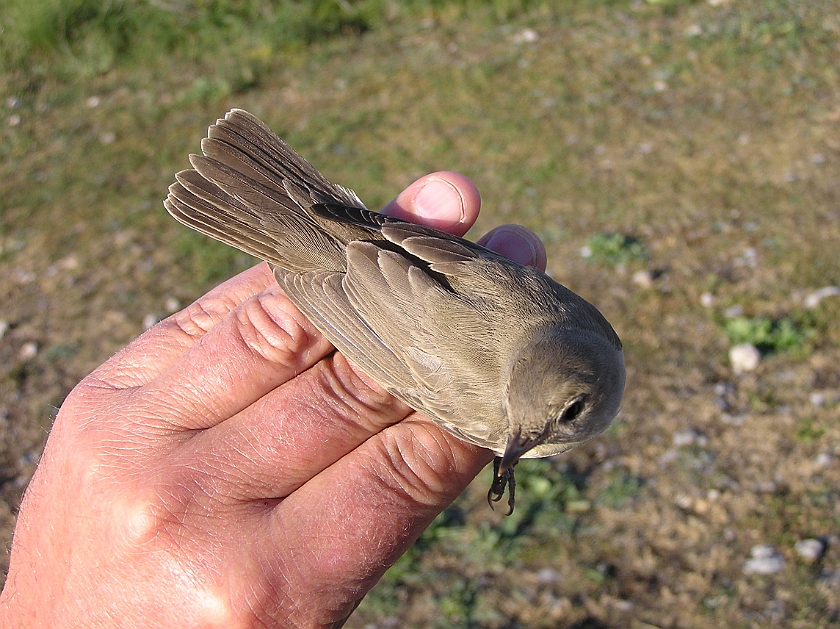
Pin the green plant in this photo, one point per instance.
(614, 248)
(769, 335)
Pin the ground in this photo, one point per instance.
(681, 161)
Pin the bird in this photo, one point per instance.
(498, 354)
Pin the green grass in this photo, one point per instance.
(769, 335)
(614, 249)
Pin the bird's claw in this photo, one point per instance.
(505, 480)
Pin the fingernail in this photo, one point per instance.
(513, 246)
(436, 200)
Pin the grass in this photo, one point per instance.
(675, 135)
(614, 249)
(769, 335)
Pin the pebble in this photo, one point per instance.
(643, 279)
(526, 35)
(744, 357)
(813, 300)
(823, 459)
(689, 437)
(150, 320)
(548, 575)
(830, 578)
(4, 326)
(764, 559)
(732, 420)
(810, 549)
(733, 311)
(172, 304)
(28, 350)
(707, 300)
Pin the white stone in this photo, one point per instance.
(643, 279)
(744, 357)
(28, 350)
(764, 559)
(809, 549)
(733, 311)
(526, 35)
(813, 300)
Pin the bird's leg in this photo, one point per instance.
(501, 481)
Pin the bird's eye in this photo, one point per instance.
(572, 411)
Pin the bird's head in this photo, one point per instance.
(564, 388)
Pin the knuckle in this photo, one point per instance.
(352, 396)
(419, 466)
(200, 316)
(272, 327)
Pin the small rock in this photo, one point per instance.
(108, 137)
(28, 350)
(4, 326)
(817, 399)
(824, 459)
(830, 578)
(733, 311)
(172, 304)
(732, 420)
(707, 300)
(14, 120)
(764, 559)
(744, 357)
(623, 605)
(548, 575)
(526, 35)
(92, 102)
(643, 279)
(150, 321)
(810, 549)
(689, 437)
(813, 300)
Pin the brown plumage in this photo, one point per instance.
(497, 353)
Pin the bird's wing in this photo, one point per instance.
(447, 363)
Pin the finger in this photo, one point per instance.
(160, 346)
(263, 343)
(379, 498)
(444, 200)
(300, 428)
(516, 243)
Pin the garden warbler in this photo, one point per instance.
(498, 354)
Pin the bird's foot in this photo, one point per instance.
(502, 481)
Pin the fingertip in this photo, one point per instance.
(516, 243)
(444, 200)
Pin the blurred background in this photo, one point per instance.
(681, 161)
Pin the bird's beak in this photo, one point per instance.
(517, 445)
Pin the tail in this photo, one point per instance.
(252, 191)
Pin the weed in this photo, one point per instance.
(769, 335)
(614, 249)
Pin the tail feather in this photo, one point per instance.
(254, 192)
(200, 215)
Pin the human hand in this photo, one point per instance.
(229, 469)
